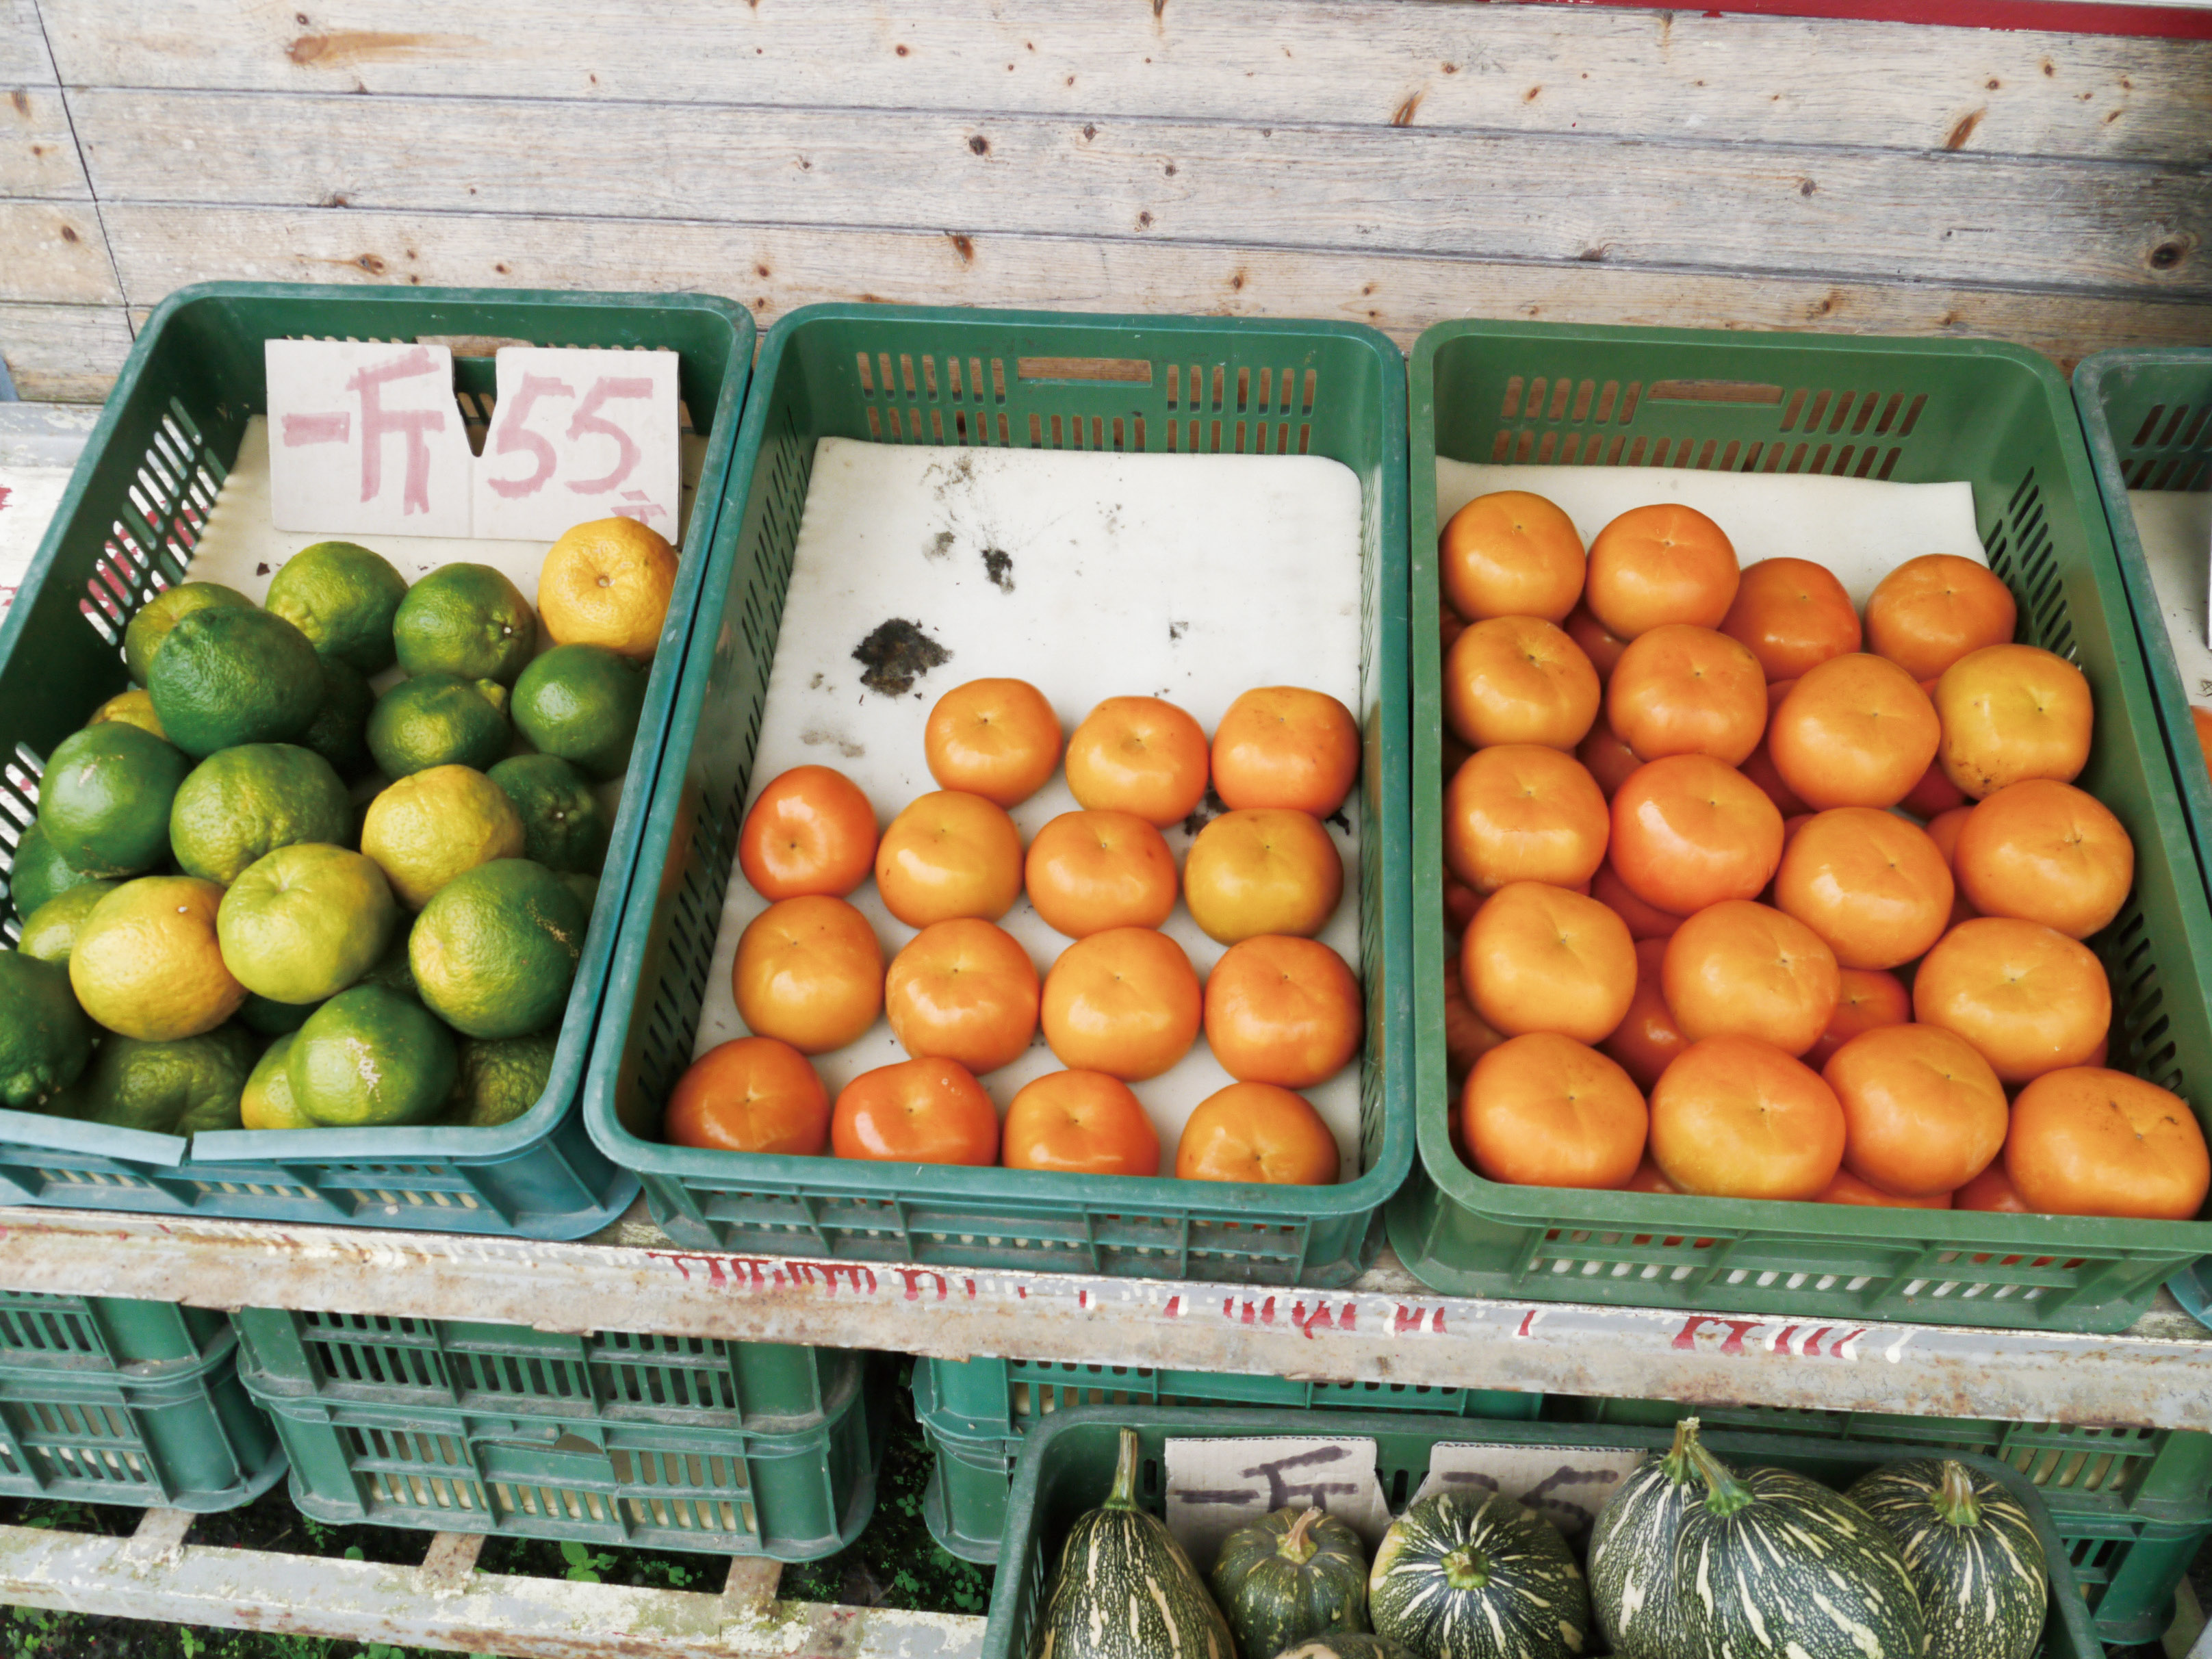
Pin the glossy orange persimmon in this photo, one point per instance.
(1922, 1112)
(1935, 794)
(2045, 851)
(962, 990)
(1510, 554)
(1932, 611)
(1737, 969)
(948, 855)
(1648, 1178)
(1283, 745)
(1609, 759)
(1546, 1111)
(1685, 690)
(1523, 812)
(1647, 1039)
(1080, 1123)
(1449, 626)
(2030, 999)
(1792, 615)
(1603, 649)
(1867, 999)
(1087, 872)
(811, 831)
(1943, 830)
(2089, 1141)
(918, 1111)
(1734, 1117)
(749, 1095)
(1871, 884)
(1759, 766)
(1848, 1189)
(1468, 1036)
(1125, 1002)
(809, 973)
(1689, 831)
(1519, 680)
(1539, 958)
(1264, 870)
(1855, 731)
(1283, 1010)
(2012, 711)
(2200, 720)
(1141, 755)
(1461, 903)
(996, 738)
(1257, 1132)
(1991, 1190)
(1644, 921)
(1662, 564)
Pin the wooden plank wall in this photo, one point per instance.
(1390, 161)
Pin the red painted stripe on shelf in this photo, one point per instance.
(2061, 16)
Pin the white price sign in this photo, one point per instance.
(366, 439)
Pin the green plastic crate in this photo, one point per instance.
(2147, 416)
(1327, 389)
(125, 530)
(767, 1388)
(711, 1487)
(1915, 411)
(183, 1436)
(974, 1414)
(1068, 1464)
(106, 1334)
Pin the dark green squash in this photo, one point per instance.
(1125, 1588)
(1296, 1573)
(1971, 1550)
(1345, 1645)
(1632, 1552)
(1772, 1565)
(1473, 1574)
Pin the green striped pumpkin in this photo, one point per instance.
(1632, 1552)
(1126, 1589)
(1971, 1550)
(1772, 1565)
(1473, 1574)
(1343, 1645)
(1296, 1573)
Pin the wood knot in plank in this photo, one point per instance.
(1403, 115)
(1964, 129)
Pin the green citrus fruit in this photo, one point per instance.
(146, 962)
(38, 873)
(134, 707)
(428, 828)
(51, 932)
(564, 828)
(241, 803)
(273, 1018)
(305, 922)
(495, 951)
(438, 720)
(371, 1056)
(226, 677)
(391, 969)
(266, 1101)
(179, 1087)
(501, 1079)
(143, 636)
(585, 887)
(468, 620)
(582, 702)
(104, 799)
(339, 731)
(45, 1037)
(342, 598)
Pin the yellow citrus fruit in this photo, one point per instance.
(146, 963)
(134, 707)
(608, 583)
(431, 825)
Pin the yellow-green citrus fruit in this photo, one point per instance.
(582, 702)
(339, 731)
(391, 969)
(501, 1079)
(428, 828)
(38, 872)
(564, 828)
(342, 598)
(133, 708)
(371, 1056)
(585, 887)
(146, 631)
(305, 922)
(146, 963)
(438, 720)
(45, 1037)
(239, 804)
(104, 799)
(226, 677)
(267, 1103)
(179, 1087)
(466, 619)
(51, 932)
(495, 951)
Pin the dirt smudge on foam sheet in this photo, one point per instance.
(1209, 808)
(998, 566)
(896, 653)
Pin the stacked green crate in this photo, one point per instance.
(616, 1437)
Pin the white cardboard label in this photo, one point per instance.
(1215, 1486)
(579, 434)
(366, 438)
(1565, 1485)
